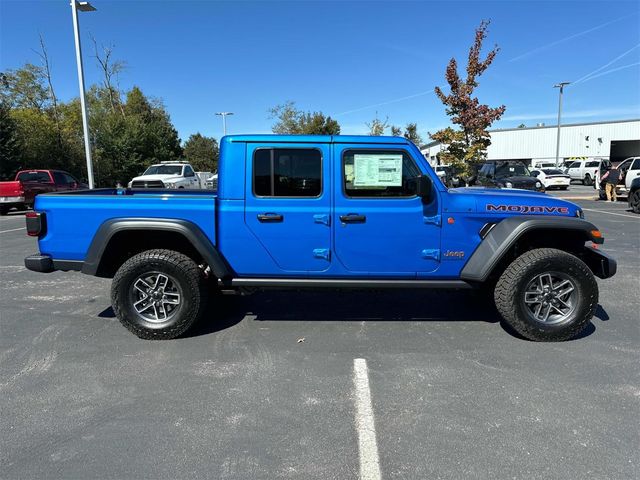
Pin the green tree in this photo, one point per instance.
(396, 131)
(467, 145)
(25, 87)
(411, 133)
(292, 121)
(9, 145)
(202, 152)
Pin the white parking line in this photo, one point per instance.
(610, 213)
(367, 443)
(13, 230)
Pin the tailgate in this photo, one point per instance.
(11, 189)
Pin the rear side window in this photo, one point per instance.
(379, 173)
(592, 164)
(287, 172)
(636, 164)
(41, 177)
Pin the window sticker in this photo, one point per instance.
(377, 170)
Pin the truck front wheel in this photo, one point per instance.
(159, 294)
(547, 295)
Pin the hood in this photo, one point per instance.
(164, 178)
(514, 201)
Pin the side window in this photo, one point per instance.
(535, 173)
(636, 164)
(188, 171)
(287, 172)
(379, 173)
(69, 179)
(58, 177)
(574, 165)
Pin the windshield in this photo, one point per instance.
(511, 170)
(40, 177)
(552, 171)
(163, 170)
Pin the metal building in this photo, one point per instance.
(616, 140)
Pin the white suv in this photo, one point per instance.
(629, 170)
(167, 175)
(584, 170)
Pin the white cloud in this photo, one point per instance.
(602, 112)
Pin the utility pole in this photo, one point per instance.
(83, 7)
(561, 87)
(224, 120)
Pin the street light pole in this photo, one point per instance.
(561, 87)
(224, 120)
(83, 7)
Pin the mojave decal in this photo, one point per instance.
(526, 209)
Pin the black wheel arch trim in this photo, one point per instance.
(506, 233)
(188, 229)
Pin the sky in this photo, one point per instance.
(352, 60)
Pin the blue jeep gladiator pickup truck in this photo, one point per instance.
(324, 211)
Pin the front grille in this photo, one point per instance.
(147, 184)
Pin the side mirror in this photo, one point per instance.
(424, 187)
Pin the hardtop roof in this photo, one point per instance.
(275, 138)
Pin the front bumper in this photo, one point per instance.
(601, 264)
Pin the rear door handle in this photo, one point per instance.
(353, 218)
(270, 217)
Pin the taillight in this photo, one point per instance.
(35, 224)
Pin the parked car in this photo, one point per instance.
(540, 164)
(21, 192)
(447, 175)
(167, 175)
(508, 174)
(629, 170)
(205, 180)
(325, 211)
(552, 178)
(634, 195)
(584, 170)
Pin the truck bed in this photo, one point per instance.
(73, 218)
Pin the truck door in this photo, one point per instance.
(287, 204)
(381, 226)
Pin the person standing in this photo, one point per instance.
(611, 179)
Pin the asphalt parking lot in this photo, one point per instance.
(265, 387)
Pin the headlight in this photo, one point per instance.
(170, 185)
(508, 185)
(538, 185)
(129, 185)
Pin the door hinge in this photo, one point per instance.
(324, 253)
(431, 254)
(322, 218)
(435, 220)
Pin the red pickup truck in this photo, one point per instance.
(21, 192)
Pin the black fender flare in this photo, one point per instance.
(188, 229)
(506, 233)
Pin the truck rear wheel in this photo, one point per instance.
(588, 180)
(159, 294)
(547, 295)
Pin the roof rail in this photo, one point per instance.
(175, 161)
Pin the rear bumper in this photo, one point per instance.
(601, 264)
(46, 264)
(11, 200)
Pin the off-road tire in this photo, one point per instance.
(634, 201)
(587, 180)
(183, 270)
(509, 294)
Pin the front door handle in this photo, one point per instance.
(353, 218)
(270, 217)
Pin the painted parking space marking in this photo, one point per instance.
(13, 230)
(610, 213)
(367, 442)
